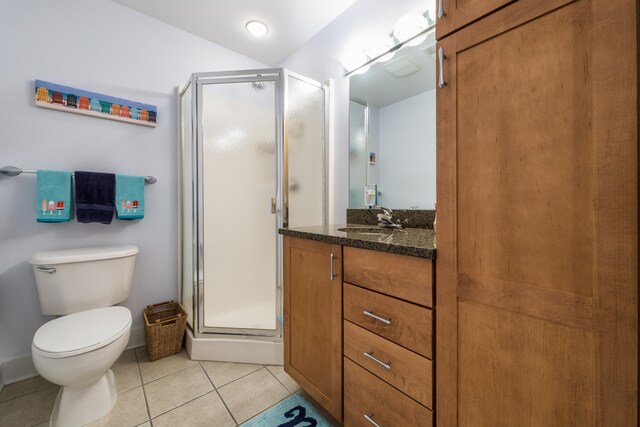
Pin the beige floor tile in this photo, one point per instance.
(21, 388)
(207, 410)
(147, 424)
(130, 411)
(252, 394)
(222, 373)
(127, 372)
(153, 370)
(172, 391)
(29, 410)
(127, 357)
(284, 378)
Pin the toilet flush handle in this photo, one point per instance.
(46, 269)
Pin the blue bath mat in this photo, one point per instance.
(295, 411)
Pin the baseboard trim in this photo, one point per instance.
(21, 368)
(18, 369)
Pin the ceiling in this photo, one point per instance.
(291, 22)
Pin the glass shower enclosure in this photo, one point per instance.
(252, 159)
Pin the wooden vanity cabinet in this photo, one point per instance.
(537, 296)
(313, 319)
(458, 13)
(388, 339)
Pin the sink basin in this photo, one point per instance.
(366, 230)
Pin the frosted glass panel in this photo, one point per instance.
(188, 248)
(305, 136)
(239, 180)
(358, 156)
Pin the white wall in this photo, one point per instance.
(320, 59)
(103, 47)
(406, 162)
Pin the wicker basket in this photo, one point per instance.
(164, 325)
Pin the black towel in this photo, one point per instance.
(95, 196)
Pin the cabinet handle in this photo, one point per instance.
(441, 13)
(331, 272)
(370, 419)
(375, 359)
(441, 59)
(382, 319)
(46, 270)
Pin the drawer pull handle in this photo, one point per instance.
(441, 13)
(332, 274)
(375, 359)
(370, 419)
(441, 58)
(382, 319)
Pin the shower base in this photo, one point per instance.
(237, 349)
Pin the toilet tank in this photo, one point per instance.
(73, 280)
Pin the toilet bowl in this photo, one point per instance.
(76, 352)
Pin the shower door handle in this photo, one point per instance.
(273, 205)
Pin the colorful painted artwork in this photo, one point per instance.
(64, 98)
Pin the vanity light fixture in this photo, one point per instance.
(410, 30)
(257, 28)
(379, 45)
(408, 27)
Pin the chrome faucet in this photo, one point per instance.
(385, 219)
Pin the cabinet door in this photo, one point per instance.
(313, 319)
(537, 288)
(455, 14)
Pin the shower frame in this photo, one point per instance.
(280, 77)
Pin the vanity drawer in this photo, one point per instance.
(366, 394)
(402, 276)
(409, 324)
(405, 370)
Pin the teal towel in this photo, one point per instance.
(129, 197)
(54, 196)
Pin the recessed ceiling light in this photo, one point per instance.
(257, 28)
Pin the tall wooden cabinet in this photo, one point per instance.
(454, 14)
(537, 296)
(313, 319)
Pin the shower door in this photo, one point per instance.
(244, 135)
(240, 171)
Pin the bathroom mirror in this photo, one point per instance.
(392, 130)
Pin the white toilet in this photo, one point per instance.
(77, 349)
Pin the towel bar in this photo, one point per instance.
(13, 171)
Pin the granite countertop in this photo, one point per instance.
(416, 242)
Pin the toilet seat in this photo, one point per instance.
(81, 332)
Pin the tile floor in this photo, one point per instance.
(174, 391)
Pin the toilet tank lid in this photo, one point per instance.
(65, 256)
